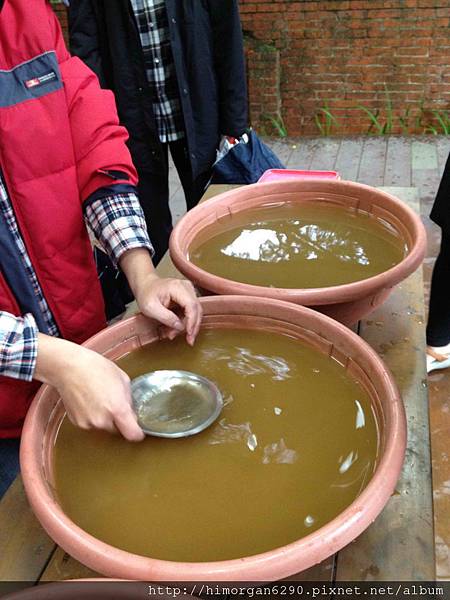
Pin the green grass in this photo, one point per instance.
(277, 124)
(443, 123)
(325, 120)
(380, 125)
(381, 121)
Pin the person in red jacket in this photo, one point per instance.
(64, 163)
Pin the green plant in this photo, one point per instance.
(375, 124)
(431, 129)
(404, 121)
(325, 120)
(278, 124)
(420, 115)
(378, 125)
(443, 118)
(423, 122)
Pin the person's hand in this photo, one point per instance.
(173, 303)
(95, 392)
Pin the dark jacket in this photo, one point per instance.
(440, 212)
(208, 55)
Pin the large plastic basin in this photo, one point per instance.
(345, 303)
(319, 331)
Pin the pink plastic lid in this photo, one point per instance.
(278, 174)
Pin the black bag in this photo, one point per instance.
(245, 162)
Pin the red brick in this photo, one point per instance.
(412, 51)
(345, 52)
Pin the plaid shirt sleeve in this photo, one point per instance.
(118, 224)
(18, 346)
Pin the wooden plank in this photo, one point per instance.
(372, 165)
(326, 153)
(324, 571)
(439, 385)
(443, 151)
(424, 155)
(175, 189)
(399, 545)
(216, 189)
(63, 566)
(173, 173)
(177, 205)
(25, 548)
(426, 181)
(348, 158)
(398, 162)
(282, 148)
(302, 154)
(425, 173)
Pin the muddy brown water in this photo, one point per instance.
(295, 444)
(298, 246)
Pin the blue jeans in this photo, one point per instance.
(9, 463)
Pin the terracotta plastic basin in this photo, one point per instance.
(346, 303)
(275, 316)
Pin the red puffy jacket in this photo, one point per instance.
(59, 139)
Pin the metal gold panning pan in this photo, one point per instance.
(175, 403)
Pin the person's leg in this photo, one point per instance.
(154, 198)
(193, 188)
(9, 463)
(438, 326)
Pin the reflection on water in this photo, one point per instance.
(309, 521)
(259, 244)
(252, 442)
(247, 363)
(310, 242)
(299, 246)
(278, 453)
(230, 433)
(244, 362)
(360, 478)
(360, 418)
(347, 462)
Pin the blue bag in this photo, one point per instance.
(245, 162)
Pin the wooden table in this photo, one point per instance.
(398, 546)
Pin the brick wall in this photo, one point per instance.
(61, 12)
(306, 59)
(391, 57)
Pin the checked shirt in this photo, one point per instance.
(151, 20)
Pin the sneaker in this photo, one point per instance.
(438, 358)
